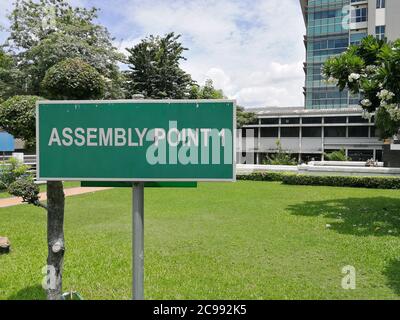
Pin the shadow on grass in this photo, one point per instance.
(378, 216)
(29, 293)
(392, 273)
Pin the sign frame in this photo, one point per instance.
(135, 101)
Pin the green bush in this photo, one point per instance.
(10, 171)
(333, 181)
(264, 176)
(343, 181)
(18, 117)
(337, 156)
(26, 189)
(281, 158)
(73, 79)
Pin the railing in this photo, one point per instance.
(29, 160)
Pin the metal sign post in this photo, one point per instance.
(138, 240)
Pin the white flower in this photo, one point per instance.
(331, 80)
(385, 95)
(366, 103)
(371, 68)
(328, 226)
(367, 115)
(354, 76)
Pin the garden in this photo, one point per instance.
(244, 240)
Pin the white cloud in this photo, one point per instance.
(252, 50)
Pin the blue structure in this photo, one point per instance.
(7, 142)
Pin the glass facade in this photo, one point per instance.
(327, 35)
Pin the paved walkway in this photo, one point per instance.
(10, 202)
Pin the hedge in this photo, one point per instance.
(333, 181)
(264, 176)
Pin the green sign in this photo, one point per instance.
(136, 140)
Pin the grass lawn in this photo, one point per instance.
(43, 187)
(244, 240)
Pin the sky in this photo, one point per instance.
(252, 49)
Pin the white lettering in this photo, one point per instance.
(54, 138)
(67, 134)
(141, 135)
(106, 139)
(120, 137)
(79, 137)
(159, 134)
(91, 135)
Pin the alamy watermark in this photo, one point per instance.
(349, 280)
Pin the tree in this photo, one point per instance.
(155, 68)
(244, 117)
(70, 79)
(18, 117)
(73, 79)
(35, 48)
(371, 70)
(7, 76)
(46, 32)
(207, 91)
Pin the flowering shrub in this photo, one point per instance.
(371, 69)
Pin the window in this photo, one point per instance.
(356, 38)
(312, 120)
(312, 132)
(290, 132)
(328, 96)
(379, 155)
(335, 132)
(270, 121)
(250, 132)
(269, 132)
(380, 4)
(326, 14)
(359, 15)
(317, 72)
(380, 32)
(290, 120)
(330, 46)
(358, 132)
(330, 120)
(361, 155)
(357, 119)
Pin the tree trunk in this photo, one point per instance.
(55, 238)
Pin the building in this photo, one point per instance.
(331, 119)
(309, 134)
(332, 25)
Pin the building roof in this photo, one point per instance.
(300, 111)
